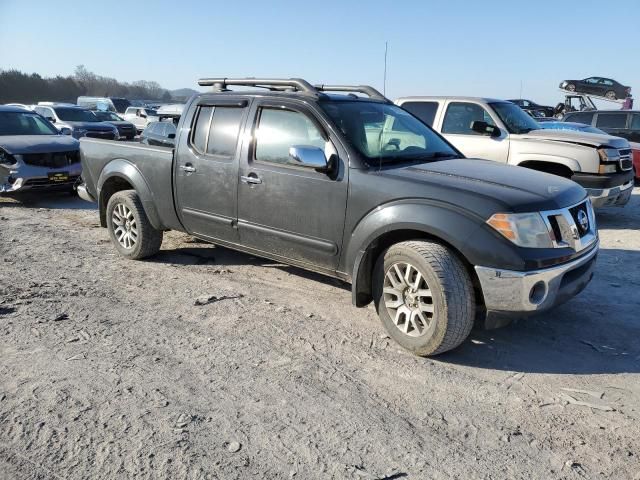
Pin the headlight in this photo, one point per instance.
(6, 159)
(608, 168)
(609, 154)
(524, 229)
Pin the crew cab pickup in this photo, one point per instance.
(501, 131)
(356, 188)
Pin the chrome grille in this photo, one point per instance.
(51, 160)
(626, 163)
(573, 227)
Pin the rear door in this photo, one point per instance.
(456, 127)
(290, 211)
(206, 175)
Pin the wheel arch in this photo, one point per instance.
(446, 225)
(561, 167)
(121, 174)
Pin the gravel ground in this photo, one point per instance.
(205, 363)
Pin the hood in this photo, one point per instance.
(571, 136)
(22, 144)
(95, 126)
(501, 187)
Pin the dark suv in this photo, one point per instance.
(620, 123)
(358, 189)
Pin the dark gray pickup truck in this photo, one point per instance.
(356, 188)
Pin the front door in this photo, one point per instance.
(456, 127)
(290, 211)
(206, 173)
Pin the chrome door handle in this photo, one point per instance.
(188, 168)
(251, 180)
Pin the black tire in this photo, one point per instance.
(147, 240)
(611, 95)
(571, 87)
(451, 292)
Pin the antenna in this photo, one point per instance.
(384, 81)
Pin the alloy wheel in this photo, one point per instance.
(125, 226)
(408, 299)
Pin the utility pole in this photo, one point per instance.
(384, 83)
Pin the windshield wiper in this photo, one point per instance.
(442, 155)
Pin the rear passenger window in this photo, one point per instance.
(611, 120)
(582, 117)
(460, 116)
(201, 129)
(280, 129)
(425, 111)
(635, 122)
(225, 127)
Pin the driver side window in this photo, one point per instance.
(461, 115)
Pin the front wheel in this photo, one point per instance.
(424, 296)
(571, 87)
(129, 228)
(611, 95)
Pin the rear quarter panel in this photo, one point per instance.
(148, 169)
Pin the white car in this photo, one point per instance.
(140, 116)
(501, 131)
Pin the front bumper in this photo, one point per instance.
(84, 194)
(607, 190)
(21, 177)
(536, 290)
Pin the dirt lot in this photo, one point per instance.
(111, 368)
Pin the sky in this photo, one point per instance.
(494, 48)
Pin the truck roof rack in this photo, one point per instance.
(366, 89)
(277, 84)
(288, 84)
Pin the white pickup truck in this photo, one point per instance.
(501, 131)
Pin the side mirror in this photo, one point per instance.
(483, 128)
(51, 119)
(309, 157)
(65, 131)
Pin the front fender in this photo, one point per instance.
(570, 163)
(454, 226)
(127, 171)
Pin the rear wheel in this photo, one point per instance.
(424, 297)
(129, 228)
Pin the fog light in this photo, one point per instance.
(537, 293)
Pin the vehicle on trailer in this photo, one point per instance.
(620, 123)
(126, 130)
(108, 104)
(533, 108)
(34, 154)
(77, 121)
(353, 187)
(140, 117)
(159, 133)
(500, 131)
(571, 126)
(598, 86)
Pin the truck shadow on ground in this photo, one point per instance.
(594, 333)
(52, 200)
(222, 258)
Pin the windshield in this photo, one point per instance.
(107, 116)
(150, 112)
(385, 133)
(18, 123)
(120, 104)
(514, 118)
(76, 115)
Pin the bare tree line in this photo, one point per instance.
(20, 87)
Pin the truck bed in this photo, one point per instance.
(152, 165)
